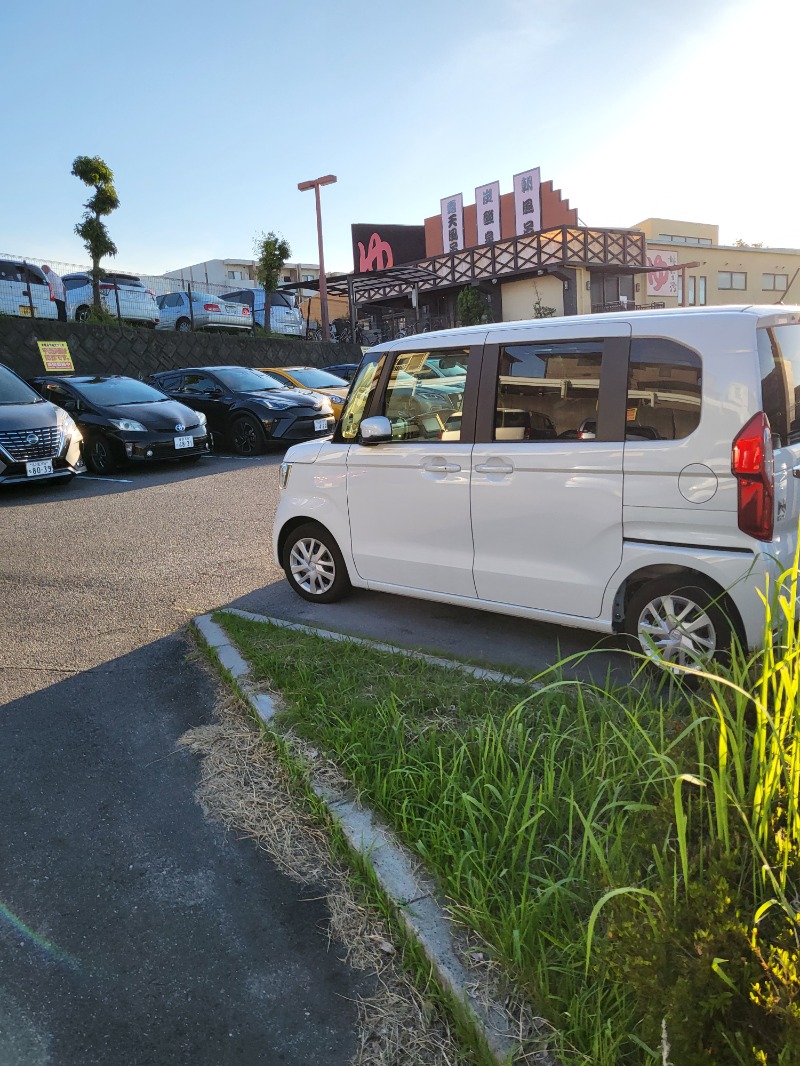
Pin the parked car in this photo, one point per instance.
(284, 317)
(137, 303)
(124, 420)
(346, 371)
(311, 377)
(206, 312)
(22, 285)
(663, 523)
(38, 442)
(249, 408)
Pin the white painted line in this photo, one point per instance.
(434, 660)
(116, 480)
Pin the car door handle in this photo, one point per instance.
(493, 468)
(442, 468)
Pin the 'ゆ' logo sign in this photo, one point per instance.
(378, 256)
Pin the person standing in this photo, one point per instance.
(57, 292)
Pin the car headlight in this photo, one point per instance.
(128, 425)
(201, 418)
(276, 405)
(283, 474)
(68, 425)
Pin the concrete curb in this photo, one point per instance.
(394, 867)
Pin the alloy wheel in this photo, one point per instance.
(312, 566)
(676, 629)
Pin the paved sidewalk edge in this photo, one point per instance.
(392, 864)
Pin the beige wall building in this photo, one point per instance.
(725, 274)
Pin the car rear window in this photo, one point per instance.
(779, 359)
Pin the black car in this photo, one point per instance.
(125, 420)
(248, 407)
(38, 442)
(343, 370)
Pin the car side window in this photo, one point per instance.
(173, 383)
(664, 390)
(361, 392)
(60, 397)
(421, 405)
(200, 385)
(172, 299)
(548, 391)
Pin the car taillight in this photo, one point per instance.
(106, 287)
(211, 307)
(752, 465)
(245, 310)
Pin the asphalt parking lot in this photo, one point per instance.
(132, 929)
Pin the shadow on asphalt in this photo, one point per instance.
(132, 929)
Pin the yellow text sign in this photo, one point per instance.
(55, 355)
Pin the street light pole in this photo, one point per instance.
(328, 179)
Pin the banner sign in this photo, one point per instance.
(55, 355)
(527, 202)
(453, 223)
(487, 207)
(382, 247)
(661, 282)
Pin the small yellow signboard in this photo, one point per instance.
(55, 355)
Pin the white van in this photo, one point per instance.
(24, 291)
(650, 488)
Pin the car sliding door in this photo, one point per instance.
(547, 467)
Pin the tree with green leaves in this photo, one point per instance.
(272, 251)
(472, 308)
(95, 173)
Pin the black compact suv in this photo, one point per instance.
(247, 407)
(38, 442)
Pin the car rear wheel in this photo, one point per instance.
(183, 325)
(314, 565)
(99, 455)
(678, 622)
(247, 436)
(82, 314)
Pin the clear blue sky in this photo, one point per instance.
(210, 113)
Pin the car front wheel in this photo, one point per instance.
(247, 436)
(99, 455)
(314, 565)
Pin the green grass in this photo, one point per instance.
(631, 858)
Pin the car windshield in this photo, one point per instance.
(116, 392)
(14, 390)
(243, 379)
(312, 378)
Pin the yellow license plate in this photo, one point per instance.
(25, 311)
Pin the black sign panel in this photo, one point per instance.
(381, 247)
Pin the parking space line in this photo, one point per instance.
(116, 480)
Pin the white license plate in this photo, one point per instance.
(320, 424)
(184, 442)
(42, 466)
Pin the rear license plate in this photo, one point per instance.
(320, 424)
(25, 310)
(184, 442)
(43, 466)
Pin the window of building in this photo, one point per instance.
(548, 391)
(731, 279)
(614, 289)
(235, 275)
(308, 277)
(774, 282)
(664, 388)
(701, 292)
(671, 238)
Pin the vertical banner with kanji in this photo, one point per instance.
(527, 202)
(453, 223)
(487, 207)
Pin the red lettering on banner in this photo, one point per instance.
(378, 255)
(657, 279)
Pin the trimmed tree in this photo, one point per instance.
(92, 171)
(272, 251)
(471, 307)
